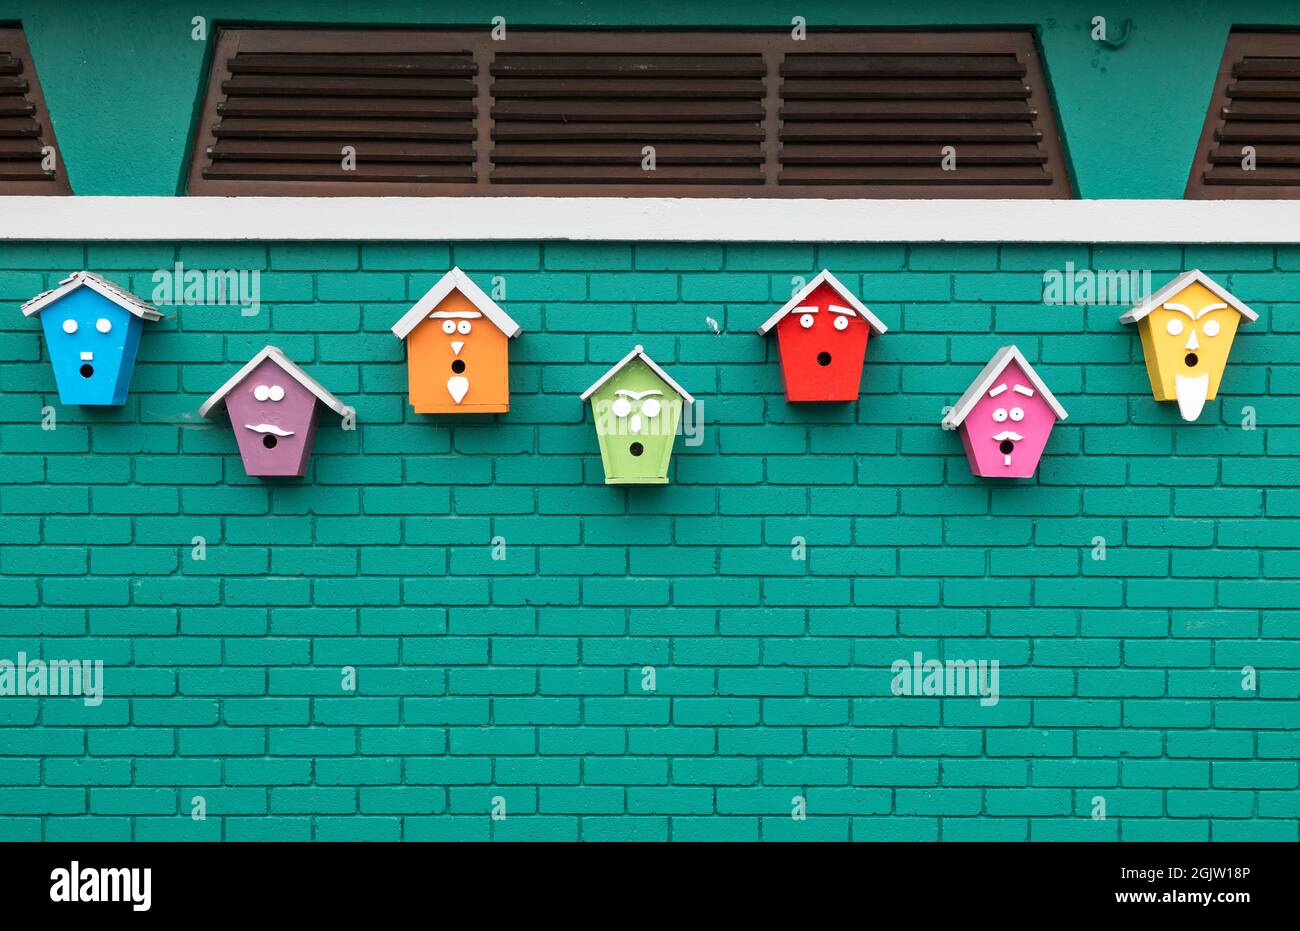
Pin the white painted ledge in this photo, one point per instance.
(645, 219)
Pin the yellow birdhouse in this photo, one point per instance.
(1187, 328)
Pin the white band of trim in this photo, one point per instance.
(644, 219)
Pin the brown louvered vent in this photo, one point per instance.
(26, 136)
(631, 117)
(1250, 145)
(882, 119)
(628, 113)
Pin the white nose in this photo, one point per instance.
(1191, 341)
(87, 357)
(457, 346)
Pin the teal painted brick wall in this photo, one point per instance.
(521, 679)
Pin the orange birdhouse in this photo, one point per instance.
(457, 349)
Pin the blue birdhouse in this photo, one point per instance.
(92, 331)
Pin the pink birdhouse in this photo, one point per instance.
(273, 406)
(1005, 417)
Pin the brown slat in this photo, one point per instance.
(621, 66)
(601, 111)
(312, 150)
(20, 148)
(891, 174)
(610, 153)
(612, 174)
(902, 66)
(635, 132)
(22, 171)
(429, 65)
(246, 85)
(604, 87)
(1251, 132)
(9, 64)
(343, 129)
(916, 132)
(1264, 90)
(1260, 177)
(19, 126)
(10, 84)
(892, 89)
(16, 106)
(1278, 154)
(395, 107)
(318, 171)
(908, 110)
(1271, 110)
(910, 154)
(1268, 67)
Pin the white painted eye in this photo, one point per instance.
(449, 327)
(69, 326)
(651, 407)
(1210, 327)
(103, 324)
(463, 328)
(261, 392)
(275, 393)
(1017, 414)
(1000, 414)
(621, 407)
(841, 323)
(806, 321)
(1174, 326)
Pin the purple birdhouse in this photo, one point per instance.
(273, 407)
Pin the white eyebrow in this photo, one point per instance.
(835, 309)
(1207, 308)
(637, 395)
(809, 309)
(1021, 389)
(1181, 308)
(997, 391)
(469, 314)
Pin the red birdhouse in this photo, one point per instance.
(822, 335)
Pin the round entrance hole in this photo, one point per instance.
(458, 366)
(636, 449)
(1191, 360)
(823, 358)
(1006, 446)
(87, 370)
(270, 440)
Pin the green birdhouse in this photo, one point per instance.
(637, 409)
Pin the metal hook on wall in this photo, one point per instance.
(1099, 33)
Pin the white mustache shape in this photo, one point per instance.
(1008, 435)
(267, 428)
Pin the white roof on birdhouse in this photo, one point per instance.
(455, 280)
(276, 355)
(985, 379)
(1195, 276)
(825, 277)
(638, 352)
(119, 296)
